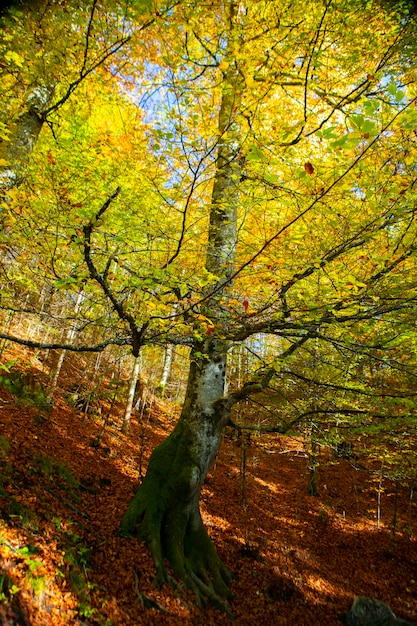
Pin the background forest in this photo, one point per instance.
(207, 260)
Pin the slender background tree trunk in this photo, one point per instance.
(70, 334)
(131, 395)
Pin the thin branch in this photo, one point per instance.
(312, 204)
(206, 48)
(83, 74)
(355, 390)
(111, 50)
(285, 427)
(323, 194)
(314, 43)
(355, 241)
(87, 36)
(393, 364)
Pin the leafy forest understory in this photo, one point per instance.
(298, 558)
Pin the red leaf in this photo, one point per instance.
(51, 158)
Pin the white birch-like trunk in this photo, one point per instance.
(131, 395)
(169, 357)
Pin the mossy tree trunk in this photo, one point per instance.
(165, 511)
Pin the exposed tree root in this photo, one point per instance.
(146, 601)
(175, 532)
(194, 560)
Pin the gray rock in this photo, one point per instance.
(370, 612)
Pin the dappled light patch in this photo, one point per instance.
(216, 521)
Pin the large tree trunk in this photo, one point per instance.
(165, 511)
(24, 133)
(25, 128)
(166, 506)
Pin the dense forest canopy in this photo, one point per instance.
(236, 178)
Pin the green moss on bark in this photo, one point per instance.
(165, 511)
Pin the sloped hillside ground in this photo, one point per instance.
(298, 559)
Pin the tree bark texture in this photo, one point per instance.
(24, 133)
(165, 509)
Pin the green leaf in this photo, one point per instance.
(392, 88)
(347, 142)
(271, 178)
(329, 133)
(357, 120)
(369, 127)
(255, 154)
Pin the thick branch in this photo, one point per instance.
(99, 347)
(286, 327)
(137, 334)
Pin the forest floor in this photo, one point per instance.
(298, 559)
